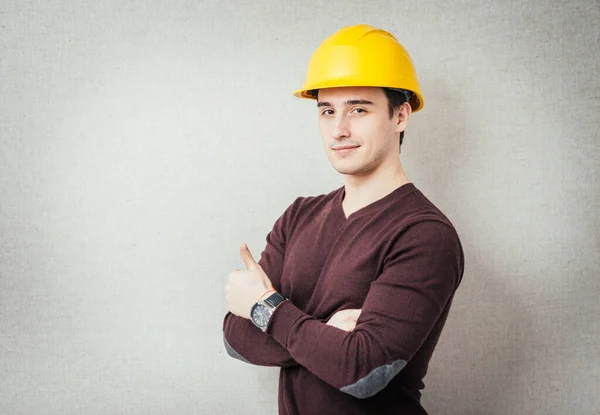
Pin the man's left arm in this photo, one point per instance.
(403, 305)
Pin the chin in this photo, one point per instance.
(349, 165)
(346, 169)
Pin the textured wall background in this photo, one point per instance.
(141, 142)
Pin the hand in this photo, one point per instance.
(245, 288)
(345, 319)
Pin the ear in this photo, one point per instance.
(402, 115)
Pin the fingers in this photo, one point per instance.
(343, 325)
(348, 314)
(345, 319)
(247, 257)
(354, 314)
(235, 274)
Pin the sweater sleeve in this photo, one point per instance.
(242, 339)
(419, 276)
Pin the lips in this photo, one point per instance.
(343, 150)
(344, 147)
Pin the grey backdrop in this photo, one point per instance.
(142, 142)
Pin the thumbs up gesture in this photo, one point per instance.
(246, 287)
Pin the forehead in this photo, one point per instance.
(338, 96)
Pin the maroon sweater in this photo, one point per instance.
(399, 259)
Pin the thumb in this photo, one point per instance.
(247, 257)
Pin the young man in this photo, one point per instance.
(353, 289)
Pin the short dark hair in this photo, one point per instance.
(395, 98)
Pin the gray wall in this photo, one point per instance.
(142, 142)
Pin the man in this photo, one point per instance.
(353, 288)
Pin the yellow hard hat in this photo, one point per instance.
(362, 55)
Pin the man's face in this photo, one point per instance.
(358, 134)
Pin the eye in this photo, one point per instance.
(359, 111)
(328, 111)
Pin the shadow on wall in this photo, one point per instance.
(479, 363)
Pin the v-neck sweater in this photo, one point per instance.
(399, 259)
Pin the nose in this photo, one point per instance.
(341, 129)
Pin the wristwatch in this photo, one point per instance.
(261, 311)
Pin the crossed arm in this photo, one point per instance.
(404, 304)
(255, 347)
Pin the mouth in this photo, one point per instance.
(344, 149)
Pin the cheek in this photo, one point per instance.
(364, 130)
(371, 131)
(324, 128)
(325, 133)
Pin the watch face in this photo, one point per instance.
(260, 315)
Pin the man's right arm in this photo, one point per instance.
(243, 340)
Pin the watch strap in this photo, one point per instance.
(274, 300)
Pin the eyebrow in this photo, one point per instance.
(349, 102)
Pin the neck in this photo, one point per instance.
(361, 190)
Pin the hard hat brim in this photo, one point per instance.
(416, 102)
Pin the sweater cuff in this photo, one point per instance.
(282, 320)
